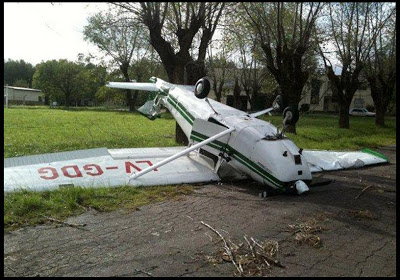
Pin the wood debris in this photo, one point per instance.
(255, 259)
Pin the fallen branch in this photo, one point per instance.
(142, 271)
(367, 187)
(250, 246)
(64, 223)
(226, 248)
(256, 259)
(267, 259)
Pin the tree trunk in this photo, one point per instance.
(291, 128)
(236, 94)
(194, 71)
(129, 100)
(344, 120)
(382, 92)
(380, 115)
(291, 95)
(67, 99)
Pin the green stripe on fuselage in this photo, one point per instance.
(222, 146)
(239, 157)
(181, 109)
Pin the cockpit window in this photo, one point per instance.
(212, 120)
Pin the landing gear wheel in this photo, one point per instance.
(202, 88)
(291, 114)
(280, 101)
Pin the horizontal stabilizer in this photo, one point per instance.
(257, 114)
(135, 86)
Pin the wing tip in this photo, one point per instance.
(375, 153)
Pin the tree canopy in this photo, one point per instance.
(18, 73)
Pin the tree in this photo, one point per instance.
(283, 30)
(145, 67)
(219, 68)
(61, 80)
(173, 27)
(252, 74)
(380, 70)
(21, 83)
(352, 41)
(118, 37)
(18, 71)
(42, 79)
(236, 94)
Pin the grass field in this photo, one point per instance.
(36, 130)
(321, 131)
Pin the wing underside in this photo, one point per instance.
(335, 160)
(104, 167)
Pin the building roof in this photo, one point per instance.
(22, 88)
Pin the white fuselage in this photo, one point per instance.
(251, 147)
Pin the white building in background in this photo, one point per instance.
(320, 98)
(21, 95)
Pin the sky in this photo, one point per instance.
(37, 32)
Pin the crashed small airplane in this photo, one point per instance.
(224, 143)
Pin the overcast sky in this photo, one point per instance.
(38, 32)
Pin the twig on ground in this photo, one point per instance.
(226, 248)
(364, 189)
(250, 246)
(64, 223)
(142, 271)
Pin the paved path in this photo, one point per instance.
(167, 239)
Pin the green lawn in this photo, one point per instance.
(321, 131)
(25, 208)
(36, 130)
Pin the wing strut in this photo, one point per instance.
(254, 115)
(184, 152)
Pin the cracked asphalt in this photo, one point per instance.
(167, 239)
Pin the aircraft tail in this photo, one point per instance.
(151, 109)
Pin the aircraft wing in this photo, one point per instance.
(104, 167)
(334, 160)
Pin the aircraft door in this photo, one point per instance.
(202, 130)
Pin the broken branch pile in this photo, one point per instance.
(255, 259)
